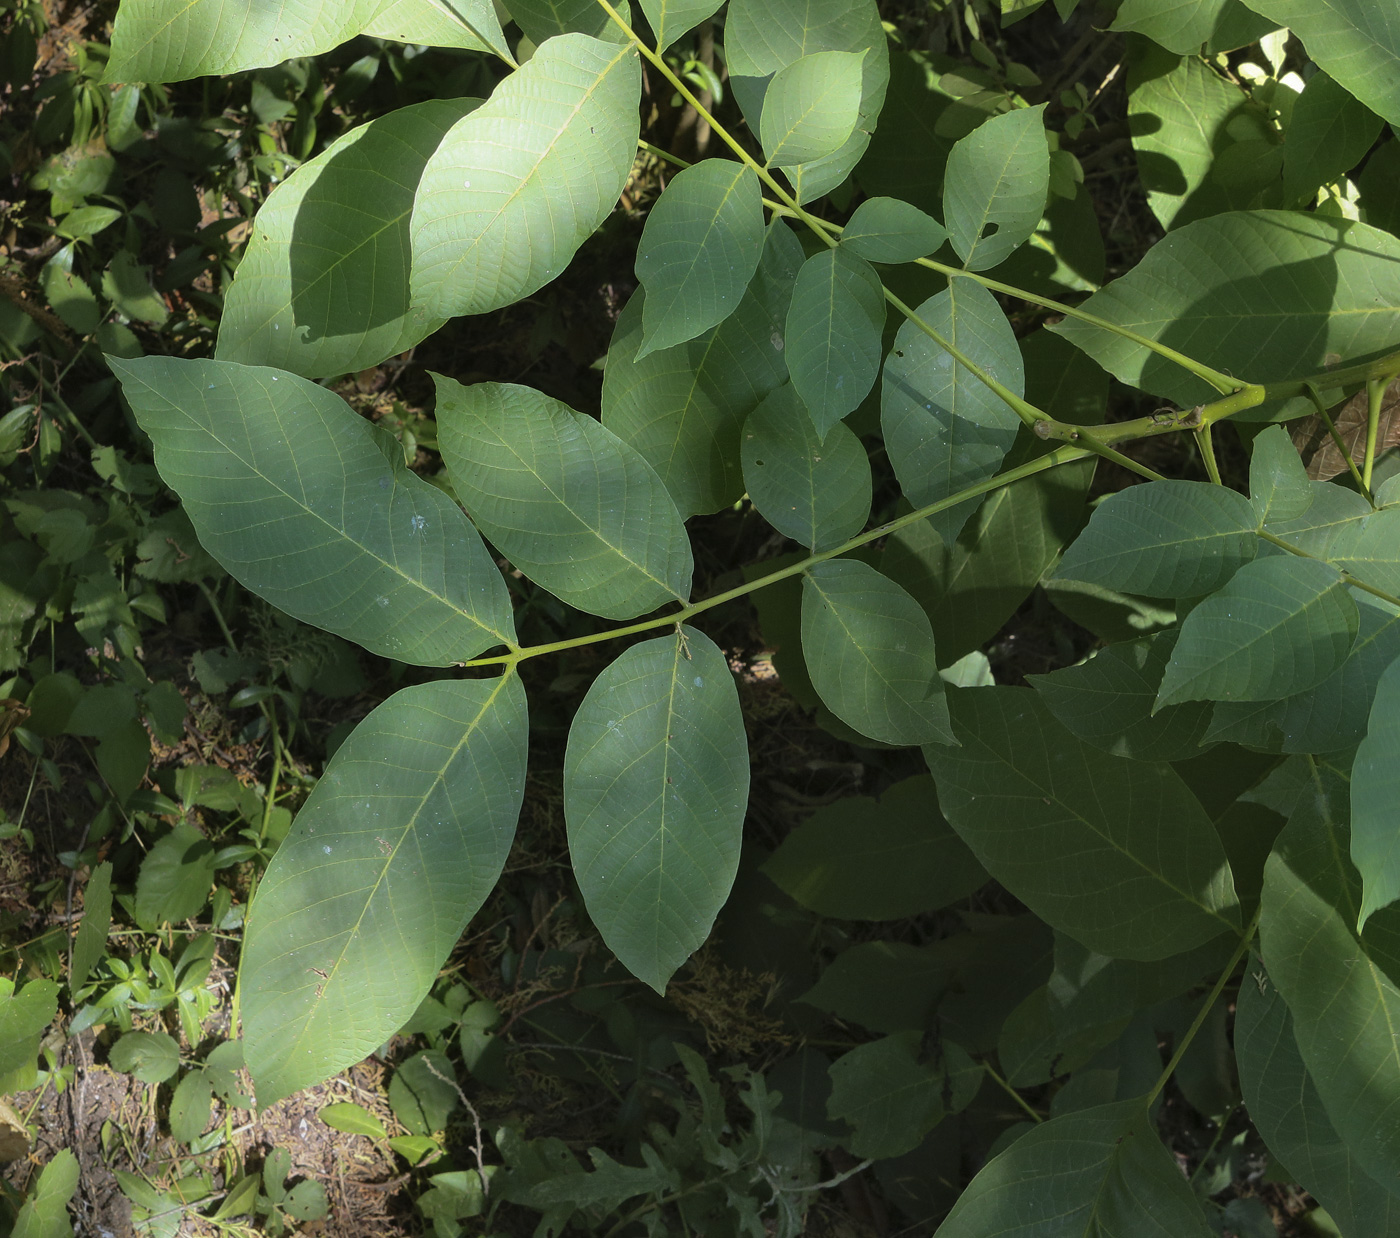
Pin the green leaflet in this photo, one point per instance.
(944, 429)
(1278, 482)
(1040, 810)
(1184, 26)
(45, 1210)
(1371, 552)
(503, 204)
(153, 43)
(1279, 626)
(682, 408)
(1164, 539)
(817, 493)
(1327, 527)
(1340, 991)
(289, 490)
(1375, 791)
(995, 185)
(811, 107)
(1356, 41)
(869, 649)
(672, 18)
(699, 250)
(834, 327)
(24, 1015)
(1284, 1105)
(545, 19)
(656, 782)
(1264, 295)
(568, 502)
(1098, 1173)
(1328, 134)
(891, 230)
(859, 859)
(396, 848)
(322, 287)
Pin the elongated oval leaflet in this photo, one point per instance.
(811, 107)
(995, 185)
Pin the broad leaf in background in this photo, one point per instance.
(1284, 1105)
(1340, 991)
(699, 250)
(1185, 27)
(1100, 1172)
(504, 202)
(890, 230)
(834, 328)
(1356, 41)
(763, 36)
(1043, 812)
(811, 107)
(1329, 133)
(1280, 625)
(322, 287)
(1263, 295)
(815, 492)
(289, 490)
(1164, 539)
(944, 428)
(862, 859)
(672, 18)
(869, 649)
(683, 407)
(153, 43)
(1278, 483)
(656, 783)
(1375, 792)
(563, 498)
(44, 1213)
(995, 186)
(544, 19)
(395, 850)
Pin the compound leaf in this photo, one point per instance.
(891, 230)
(656, 782)
(811, 107)
(395, 849)
(1375, 791)
(995, 186)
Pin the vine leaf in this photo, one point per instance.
(699, 250)
(504, 203)
(811, 107)
(891, 230)
(672, 18)
(322, 287)
(1375, 790)
(995, 186)
(869, 649)
(398, 845)
(656, 782)
(1280, 625)
(563, 498)
(290, 491)
(1043, 812)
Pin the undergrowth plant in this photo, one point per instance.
(886, 259)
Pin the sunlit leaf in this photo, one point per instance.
(1329, 132)
(995, 185)
(890, 230)
(811, 107)
(672, 18)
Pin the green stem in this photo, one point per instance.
(1346, 576)
(1375, 391)
(1331, 425)
(1207, 450)
(1011, 1092)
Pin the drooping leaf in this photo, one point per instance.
(503, 203)
(1328, 133)
(290, 492)
(1098, 1173)
(322, 287)
(1278, 483)
(869, 649)
(944, 428)
(683, 407)
(891, 230)
(862, 859)
(396, 848)
(834, 328)
(672, 18)
(699, 250)
(995, 185)
(656, 782)
(1165, 539)
(1263, 295)
(816, 492)
(1375, 792)
(811, 107)
(568, 502)
(1043, 813)
(1280, 625)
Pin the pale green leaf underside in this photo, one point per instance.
(656, 783)
(869, 648)
(672, 18)
(817, 493)
(1375, 794)
(1117, 853)
(1164, 539)
(1281, 625)
(995, 185)
(891, 230)
(322, 287)
(289, 491)
(1278, 482)
(516, 187)
(396, 848)
(563, 498)
(699, 249)
(811, 107)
